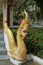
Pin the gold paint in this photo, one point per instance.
(18, 52)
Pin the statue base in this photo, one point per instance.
(15, 62)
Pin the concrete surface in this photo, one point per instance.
(7, 62)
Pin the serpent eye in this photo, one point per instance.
(25, 31)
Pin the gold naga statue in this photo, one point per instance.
(17, 50)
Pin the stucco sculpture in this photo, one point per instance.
(19, 51)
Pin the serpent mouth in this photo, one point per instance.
(25, 31)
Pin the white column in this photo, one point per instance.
(11, 16)
(4, 12)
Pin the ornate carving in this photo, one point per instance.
(18, 52)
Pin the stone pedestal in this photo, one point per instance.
(15, 62)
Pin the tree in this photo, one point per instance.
(40, 4)
(31, 7)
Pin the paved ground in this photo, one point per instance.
(9, 63)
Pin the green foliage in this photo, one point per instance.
(31, 7)
(34, 41)
(40, 3)
(14, 33)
